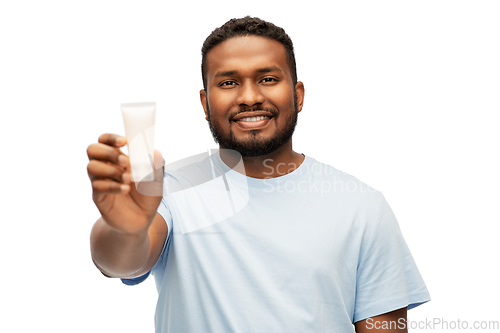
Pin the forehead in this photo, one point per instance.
(246, 54)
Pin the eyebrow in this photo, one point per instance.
(260, 70)
(269, 69)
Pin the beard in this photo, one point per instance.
(255, 145)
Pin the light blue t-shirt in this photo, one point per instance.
(314, 250)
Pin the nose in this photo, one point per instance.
(249, 94)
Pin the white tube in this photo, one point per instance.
(139, 120)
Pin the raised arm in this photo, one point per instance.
(128, 238)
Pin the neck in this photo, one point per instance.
(280, 162)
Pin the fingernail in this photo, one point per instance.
(122, 160)
(124, 188)
(126, 178)
(120, 140)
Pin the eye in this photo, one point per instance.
(268, 80)
(227, 83)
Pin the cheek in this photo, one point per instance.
(218, 108)
(220, 101)
(283, 98)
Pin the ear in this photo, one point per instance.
(203, 100)
(299, 91)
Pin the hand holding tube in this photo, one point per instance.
(127, 207)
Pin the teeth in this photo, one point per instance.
(254, 118)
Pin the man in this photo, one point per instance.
(312, 249)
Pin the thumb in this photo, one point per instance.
(159, 164)
(159, 161)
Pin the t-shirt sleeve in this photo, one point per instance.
(165, 213)
(387, 276)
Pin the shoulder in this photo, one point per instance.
(335, 181)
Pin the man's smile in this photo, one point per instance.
(253, 123)
(253, 120)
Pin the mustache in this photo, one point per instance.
(243, 110)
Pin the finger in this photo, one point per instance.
(102, 152)
(114, 140)
(98, 170)
(106, 186)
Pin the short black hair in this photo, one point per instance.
(243, 27)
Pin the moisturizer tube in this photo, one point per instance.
(139, 120)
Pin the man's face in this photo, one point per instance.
(251, 103)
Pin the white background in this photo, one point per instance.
(403, 95)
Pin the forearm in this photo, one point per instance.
(117, 254)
